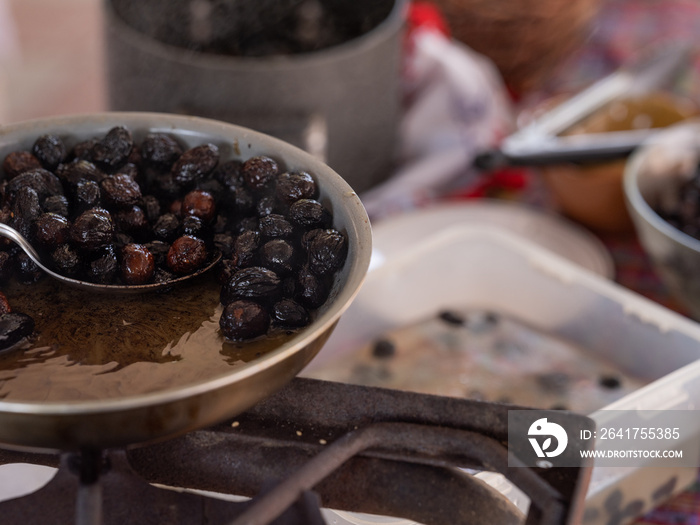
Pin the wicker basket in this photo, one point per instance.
(526, 39)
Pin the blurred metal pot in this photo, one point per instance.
(340, 103)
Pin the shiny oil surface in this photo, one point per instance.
(100, 346)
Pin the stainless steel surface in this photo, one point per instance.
(11, 233)
(170, 411)
(341, 102)
(652, 182)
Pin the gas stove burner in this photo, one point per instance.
(313, 444)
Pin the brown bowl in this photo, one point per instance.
(591, 193)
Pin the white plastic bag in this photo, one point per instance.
(457, 106)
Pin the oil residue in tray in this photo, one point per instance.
(490, 356)
(95, 346)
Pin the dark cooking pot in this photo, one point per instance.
(340, 103)
(68, 421)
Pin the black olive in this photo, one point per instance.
(278, 255)
(131, 170)
(224, 242)
(26, 205)
(308, 236)
(66, 261)
(151, 206)
(137, 264)
(294, 186)
(327, 251)
(194, 226)
(310, 290)
(239, 200)
(195, 163)
(200, 204)
(242, 320)
(83, 150)
(186, 255)
(14, 327)
(245, 224)
(212, 187)
(135, 158)
(259, 172)
(274, 226)
(86, 196)
(245, 248)
(50, 150)
(221, 224)
(287, 313)
(610, 382)
(24, 227)
(166, 228)
(40, 180)
(163, 276)
(159, 250)
(26, 270)
(266, 205)
(93, 229)
(50, 230)
(120, 191)
(160, 150)
(452, 318)
(17, 162)
(80, 169)
(254, 283)
(229, 173)
(225, 270)
(113, 150)
(288, 286)
(56, 204)
(383, 348)
(164, 186)
(24, 210)
(133, 221)
(104, 267)
(122, 239)
(309, 214)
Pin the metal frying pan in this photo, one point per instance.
(73, 418)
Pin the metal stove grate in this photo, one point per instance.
(348, 447)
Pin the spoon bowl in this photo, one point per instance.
(19, 239)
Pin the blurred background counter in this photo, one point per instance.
(459, 96)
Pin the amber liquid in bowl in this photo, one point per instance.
(91, 346)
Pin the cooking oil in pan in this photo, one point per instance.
(97, 346)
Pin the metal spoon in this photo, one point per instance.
(11, 233)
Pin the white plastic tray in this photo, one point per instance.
(488, 268)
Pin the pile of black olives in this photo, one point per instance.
(113, 211)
